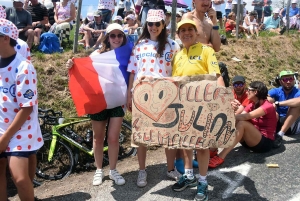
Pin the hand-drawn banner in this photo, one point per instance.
(182, 112)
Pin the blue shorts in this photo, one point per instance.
(24, 154)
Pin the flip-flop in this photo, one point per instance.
(215, 162)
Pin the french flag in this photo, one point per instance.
(100, 81)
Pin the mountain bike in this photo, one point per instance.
(69, 143)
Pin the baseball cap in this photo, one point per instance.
(179, 13)
(238, 78)
(286, 72)
(117, 17)
(22, 1)
(114, 26)
(97, 13)
(187, 21)
(2, 13)
(294, 1)
(168, 13)
(7, 28)
(131, 16)
(90, 17)
(155, 15)
(276, 11)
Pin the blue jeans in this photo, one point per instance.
(144, 15)
(106, 15)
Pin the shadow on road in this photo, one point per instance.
(70, 197)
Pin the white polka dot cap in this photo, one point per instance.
(155, 15)
(7, 28)
(2, 13)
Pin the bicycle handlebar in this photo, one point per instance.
(49, 111)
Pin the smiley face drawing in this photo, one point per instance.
(152, 99)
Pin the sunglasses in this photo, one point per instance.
(113, 36)
(150, 24)
(251, 89)
(286, 79)
(236, 85)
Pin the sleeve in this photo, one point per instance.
(175, 48)
(266, 22)
(273, 93)
(29, 18)
(26, 85)
(132, 63)
(297, 94)
(212, 63)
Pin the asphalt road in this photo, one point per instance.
(244, 176)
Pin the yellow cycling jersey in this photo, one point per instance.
(199, 60)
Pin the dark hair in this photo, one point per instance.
(106, 45)
(261, 89)
(163, 39)
(12, 42)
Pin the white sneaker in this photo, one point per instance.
(142, 179)
(98, 178)
(174, 175)
(114, 175)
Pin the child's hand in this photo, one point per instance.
(70, 63)
(129, 101)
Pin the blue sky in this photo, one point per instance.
(91, 5)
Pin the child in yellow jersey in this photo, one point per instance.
(194, 59)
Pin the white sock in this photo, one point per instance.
(280, 133)
(99, 170)
(144, 170)
(189, 173)
(202, 179)
(111, 171)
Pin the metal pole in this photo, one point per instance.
(173, 19)
(75, 42)
(287, 15)
(238, 18)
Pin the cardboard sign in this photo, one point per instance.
(182, 112)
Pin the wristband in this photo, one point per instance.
(215, 27)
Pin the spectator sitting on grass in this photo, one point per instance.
(230, 25)
(250, 24)
(131, 25)
(293, 16)
(118, 19)
(272, 23)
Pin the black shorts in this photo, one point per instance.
(264, 145)
(293, 130)
(24, 154)
(219, 14)
(259, 14)
(107, 113)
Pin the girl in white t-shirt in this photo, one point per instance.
(152, 56)
(250, 24)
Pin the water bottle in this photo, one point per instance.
(74, 136)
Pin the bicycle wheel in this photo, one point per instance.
(61, 164)
(125, 149)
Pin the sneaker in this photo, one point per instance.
(201, 192)
(282, 30)
(98, 178)
(142, 179)
(174, 175)
(278, 141)
(184, 182)
(115, 175)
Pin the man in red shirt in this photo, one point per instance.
(240, 95)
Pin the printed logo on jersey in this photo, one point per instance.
(11, 90)
(147, 54)
(28, 94)
(168, 56)
(214, 63)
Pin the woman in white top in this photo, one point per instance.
(250, 24)
(152, 56)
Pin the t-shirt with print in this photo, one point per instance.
(143, 60)
(265, 124)
(23, 49)
(19, 89)
(199, 60)
(106, 4)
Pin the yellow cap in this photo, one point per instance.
(187, 21)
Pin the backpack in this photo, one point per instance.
(49, 43)
(224, 73)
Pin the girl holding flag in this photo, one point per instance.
(114, 38)
(152, 56)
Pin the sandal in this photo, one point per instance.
(215, 162)
(213, 153)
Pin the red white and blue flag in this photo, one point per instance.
(100, 81)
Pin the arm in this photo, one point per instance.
(72, 14)
(253, 114)
(88, 28)
(17, 123)
(129, 93)
(214, 35)
(294, 102)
